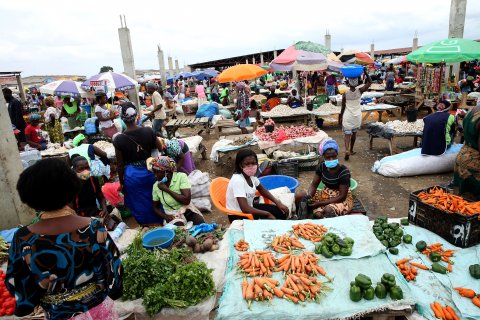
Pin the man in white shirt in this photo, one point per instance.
(158, 112)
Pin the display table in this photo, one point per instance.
(173, 125)
(379, 108)
(376, 131)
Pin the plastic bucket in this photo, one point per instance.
(158, 238)
(319, 122)
(411, 115)
(353, 185)
(278, 181)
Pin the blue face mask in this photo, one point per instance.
(164, 180)
(331, 163)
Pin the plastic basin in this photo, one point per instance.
(352, 71)
(278, 181)
(158, 238)
(353, 185)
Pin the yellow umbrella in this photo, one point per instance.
(241, 72)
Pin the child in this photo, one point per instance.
(33, 133)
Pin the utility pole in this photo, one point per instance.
(127, 57)
(161, 64)
(456, 25)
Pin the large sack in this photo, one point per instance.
(202, 204)
(200, 184)
(413, 163)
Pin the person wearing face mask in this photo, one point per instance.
(335, 199)
(172, 193)
(243, 186)
(351, 112)
(85, 203)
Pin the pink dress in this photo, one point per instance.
(200, 91)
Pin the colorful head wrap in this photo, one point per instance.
(78, 139)
(328, 144)
(162, 163)
(241, 85)
(129, 112)
(173, 148)
(34, 117)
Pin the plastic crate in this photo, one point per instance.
(287, 168)
(309, 164)
(460, 230)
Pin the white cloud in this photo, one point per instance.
(66, 37)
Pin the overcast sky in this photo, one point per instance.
(78, 37)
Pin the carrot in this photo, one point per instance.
(291, 298)
(419, 266)
(288, 291)
(402, 261)
(279, 293)
(301, 296)
(435, 311)
(449, 268)
(476, 301)
(439, 309)
(452, 312)
(467, 293)
(447, 314)
(249, 294)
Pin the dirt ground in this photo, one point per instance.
(379, 195)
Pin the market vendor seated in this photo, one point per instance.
(272, 93)
(178, 150)
(242, 188)
(335, 199)
(173, 191)
(33, 133)
(294, 100)
(438, 130)
(90, 194)
(83, 148)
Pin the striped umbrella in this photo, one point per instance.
(114, 81)
(64, 88)
(299, 60)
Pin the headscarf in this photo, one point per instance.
(443, 105)
(173, 148)
(328, 144)
(353, 82)
(34, 117)
(241, 85)
(129, 112)
(162, 163)
(78, 139)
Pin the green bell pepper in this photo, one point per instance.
(384, 226)
(398, 232)
(437, 267)
(435, 257)
(328, 240)
(388, 280)
(421, 245)
(369, 293)
(355, 293)
(407, 238)
(363, 281)
(393, 251)
(326, 252)
(318, 248)
(396, 293)
(385, 243)
(393, 225)
(404, 222)
(380, 291)
(341, 243)
(345, 251)
(475, 270)
(335, 249)
(381, 237)
(349, 241)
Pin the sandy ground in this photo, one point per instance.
(380, 195)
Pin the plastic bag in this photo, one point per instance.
(281, 136)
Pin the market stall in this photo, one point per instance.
(379, 108)
(173, 125)
(393, 130)
(283, 113)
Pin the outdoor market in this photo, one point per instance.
(246, 191)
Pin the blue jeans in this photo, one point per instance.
(157, 125)
(390, 85)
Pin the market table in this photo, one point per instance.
(376, 131)
(379, 108)
(173, 125)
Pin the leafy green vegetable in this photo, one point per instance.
(188, 286)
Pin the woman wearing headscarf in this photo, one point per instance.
(65, 263)
(99, 167)
(172, 191)
(33, 133)
(52, 121)
(132, 148)
(242, 107)
(105, 115)
(70, 110)
(438, 130)
(335, 199)
(178, 151)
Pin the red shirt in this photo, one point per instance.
(35, 133)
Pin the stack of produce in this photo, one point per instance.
(469, 294)
(333, 244)
(202, 242)
(329, 108)
(306, 262)
(165, 278)
(409, 269)
(448, 202)
(107, 147)
(291, 132)
(362, 288)
(259, 263)
(7, 302)
(444, 313)
(437, 254)
(300, 286)
(390, 234)
(283, 110)
(241, 245)
(260, 289)
(285, 243)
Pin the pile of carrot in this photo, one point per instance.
(438, 248)
(300, 286)
(409, 268)
(258, 263)
(285, 243)
(448, 202)
(444, 313)
(470, 294)
(309, 231)
(241, 245)
(260, 289)
(306, 262)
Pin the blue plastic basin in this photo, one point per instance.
(352, 71)
(158, 238)
(278, 181)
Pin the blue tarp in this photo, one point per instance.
(207, 110)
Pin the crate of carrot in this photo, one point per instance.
(452, 217)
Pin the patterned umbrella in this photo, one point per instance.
(312, 47)
(64, 88)
(114, 81)
(299, 60)
(355, 56)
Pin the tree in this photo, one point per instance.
(106, 69)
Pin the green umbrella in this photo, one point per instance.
(449, 50)
(312, 47)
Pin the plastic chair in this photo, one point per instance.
(218, 194)
(319, 100)
(270, 104)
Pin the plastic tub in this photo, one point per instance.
(158, 238)
(278, 181)
(352, 71)
(353, 185)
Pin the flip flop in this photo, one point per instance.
(352, 153)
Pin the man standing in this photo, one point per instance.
(15, 111)
(158, 112)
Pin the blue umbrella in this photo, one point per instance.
(183, 74)
(200, 75)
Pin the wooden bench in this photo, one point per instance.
(173, 125)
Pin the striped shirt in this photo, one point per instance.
(335, 179)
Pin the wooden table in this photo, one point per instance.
(392, 143)
(380, 108)
(173, 125)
